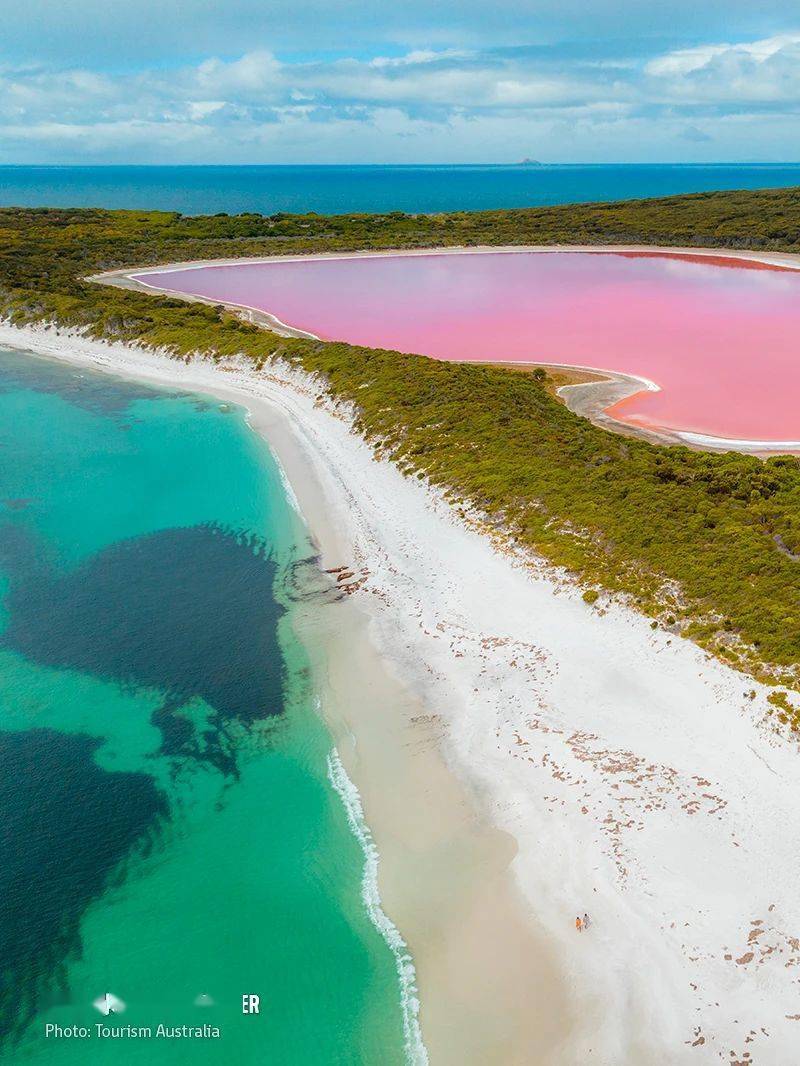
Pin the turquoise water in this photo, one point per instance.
(197, 190)
(170, 834)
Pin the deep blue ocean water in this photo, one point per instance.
(341, 189)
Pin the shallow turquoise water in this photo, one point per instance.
(168, 827)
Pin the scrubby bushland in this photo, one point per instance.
(708, 543)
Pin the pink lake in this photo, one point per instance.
(720, 337)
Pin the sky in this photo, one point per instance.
(399, 81)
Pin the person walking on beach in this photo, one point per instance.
(586, 921)
(578, 924)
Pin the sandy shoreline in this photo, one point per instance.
(592, 399)
(444, 875)
(610, 767)
(444, 867)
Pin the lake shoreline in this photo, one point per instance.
(628, 774)
(595, 400)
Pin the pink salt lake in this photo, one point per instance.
(719, 337)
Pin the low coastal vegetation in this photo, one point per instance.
(708, 544)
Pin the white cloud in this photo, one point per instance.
(424, 104)
(449, 81)
(419, 56)
(760, 72)
(255, 72)
(686, 60)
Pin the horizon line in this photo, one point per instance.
(522, 164)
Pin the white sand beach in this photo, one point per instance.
(581, 760)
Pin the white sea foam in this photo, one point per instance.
(291, 496)
(416, 1053)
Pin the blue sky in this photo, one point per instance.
(261, 81)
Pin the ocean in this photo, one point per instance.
(177, 831)
(199, 190)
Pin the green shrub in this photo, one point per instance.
(709, 538)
